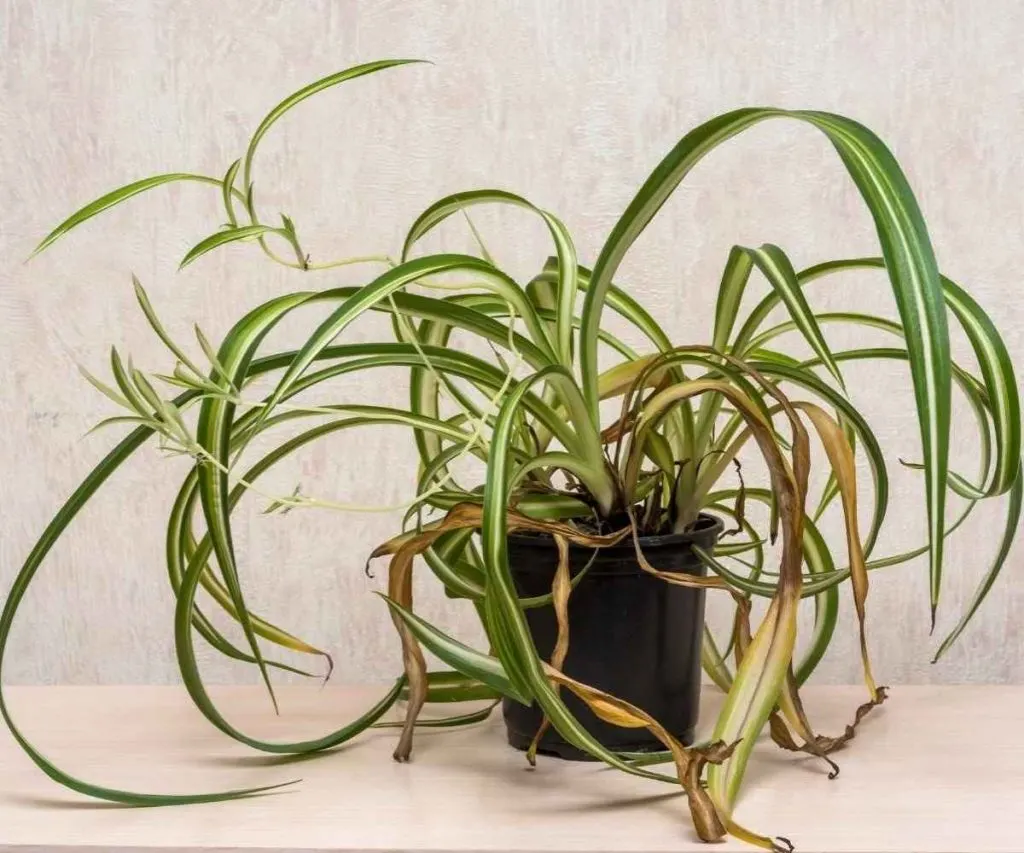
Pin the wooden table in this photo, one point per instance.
(937, 769)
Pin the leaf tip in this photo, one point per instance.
(330, 668)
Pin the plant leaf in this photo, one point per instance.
(113, 198)
(228, 189)
(1013, 512)
(305, 92)
(776, 267)
(840, 456)
(471, 663)
(222, 238)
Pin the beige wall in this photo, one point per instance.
(568, 103)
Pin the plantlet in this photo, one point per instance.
(556, 467)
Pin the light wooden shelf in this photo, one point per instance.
(937, 770)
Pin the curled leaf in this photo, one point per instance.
(689, 761)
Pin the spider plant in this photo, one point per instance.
(559, 463)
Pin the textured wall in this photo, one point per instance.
(570, 104)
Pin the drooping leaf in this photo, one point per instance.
(909, 261)
(107, 466)
(840, 455)
(1013, 512)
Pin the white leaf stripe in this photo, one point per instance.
(213, 433)
(1013, 513)
(487, 669)
(396, 278)
(1000, 382)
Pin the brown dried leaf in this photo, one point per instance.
(822, 745)
(561, 587)
(840, 456)
(690, 762)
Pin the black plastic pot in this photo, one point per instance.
(630, 634)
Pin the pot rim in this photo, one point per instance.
(709, 527)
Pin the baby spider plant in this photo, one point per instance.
(561, 464)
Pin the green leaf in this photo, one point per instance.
(113, 198)
(122, 376)
(183, 621)
(818, 559)
(714, 663)
(308, 91)
(212, 357)
(213, 433)
(222, 238)
(154, 322)
(1000, 385)
(104, 389)
(730, 294)
(1013, 511)
(461, 578)
(227, 189)
(481, 246)
(401, 276)
(448, 686)
(89, 486)
(468, 661)
(987, 343)
(181, 547)
(444, 316)
(469, 312)
(808, 380)
(619, 300)
(975, 392)
(503, 612)
(239, 347)
(445, 722)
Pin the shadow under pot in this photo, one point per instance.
(630, 634)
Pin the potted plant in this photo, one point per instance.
(589, 547)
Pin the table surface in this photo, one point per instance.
(936, 770)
